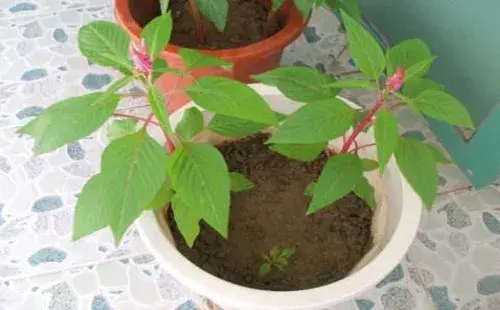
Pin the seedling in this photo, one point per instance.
(277, 258)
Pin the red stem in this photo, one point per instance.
(142, 119)
(362, 147)
(364, 123)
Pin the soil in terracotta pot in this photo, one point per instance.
(246, 23)
(327, 244)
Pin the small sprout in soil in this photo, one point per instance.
(277, 258)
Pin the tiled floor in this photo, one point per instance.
(453, 264)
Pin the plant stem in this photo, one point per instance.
(345, 73)
(367, 121)
(362, 147)
(138, 118)
(198, 20)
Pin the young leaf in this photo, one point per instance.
(366, 192)
(310, 189)
(120, 128)
(239, 183)
(442, 106)
(364, 49)
(276, 4)
(116, 86)
(160, 66)
(70, 120)
(304, 7)
(419, 69)
(361, 84)
(106, 44)
(349, 6)
(299, 83)
(191, 123)
(232, 98)
(187, 219)
(418, 165)
(159, 108)
(274, 252)
(215, 11)
(407, 54)
(369, 165)
(199, 174)
(301, 152)
(280, 262)
(157, 34)
(91, 214)
(162, 198)
(193, 59)
(287, 252)
(265, 269)
(313, 123)
(339, 176)
(414, 86)
(386, 136)
(133, 171)
(438, 155)
(235, 127)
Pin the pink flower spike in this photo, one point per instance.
(141, 59)
(395, 82)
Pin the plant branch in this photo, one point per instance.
(346, 73)
(133, 95)
(198, 20)
(138, 118)
(362, 147)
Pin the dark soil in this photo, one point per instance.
(246, 24)
(327, 244)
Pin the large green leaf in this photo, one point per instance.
(301, 152)
(349, 6)
(365, 50)
(91, 214)
(70, 120)
(235, 127)
(105, 43)
(369, 165)
(215, 11)
(187, 218)
(407, 54)
(120, 128)
(191, 123)
(419, 69)
(193, 59)
(438, 155)
(299, 83)
(134, 168)
(443, 106)
(200, 175)
(304, 7)
(414, 86)
(162, 198)
(418, 165)
(239, 182)
(366, 192)
(232, 98)
(386, 136)
(159, 108)
(339, 177)
(157, 33)
(316, 122)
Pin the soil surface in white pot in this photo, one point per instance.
(247, 23)
(327, 244)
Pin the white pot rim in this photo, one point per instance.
(206, 284)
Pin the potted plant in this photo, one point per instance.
(250, 34)
(277, 196)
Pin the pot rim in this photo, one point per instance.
(217, 289)
(291, 31)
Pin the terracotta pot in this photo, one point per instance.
(394, 226)
(248, 60)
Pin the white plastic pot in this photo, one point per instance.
(394, 227)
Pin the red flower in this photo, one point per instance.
(395, 82)
(141, 59)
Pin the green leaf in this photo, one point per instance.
(215, 11)
(362, 84)
(414, 86)
(299, 83)
(349, 6)
(159, 108)
(235, 127)
(301, 152)
(157, 34)
(187, 219)
(317, 122)
(287, 252)
(193, 59)
(407, 54)
(265, 269)
(304, 7)
(160, 67)
(232, 98)
(417, 163)
(310, 189)
(116, 86)
(438, 155)
(120, 128)
(162, 198)
(199, 174)
(281, 262)
(91, 214)
(419, 69)
(106, 44)
(366, 192)
(276, 4)
(364, 49)
(164, 6)
(369, 165)
(442, 106)
(239, 183)
(70, 120)
(191, 123)
(386, 136)
(340, 175)
(274, 252)
(133, 171)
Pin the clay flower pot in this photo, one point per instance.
(247, 60)
(394, 226)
